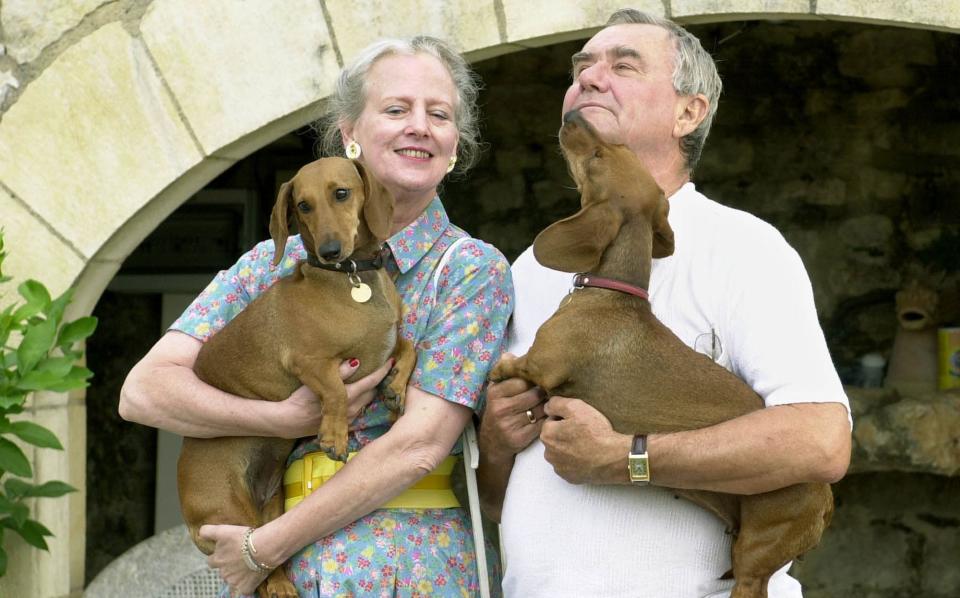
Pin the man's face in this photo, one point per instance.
(623, 86)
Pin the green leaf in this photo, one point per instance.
(19, 512)
(13, 460)
(77, 378)
(58, 366)
(35, 293)
(38, 380)
(6, 504)
(77, 330)
(6, 324)
(33, 532)
(52, 489)
(36, 435)
(57, 307)
(3, 553)
(16, 488)
(36, 343)
(10, 400)
(27, 311)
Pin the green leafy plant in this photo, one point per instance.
(39, 353)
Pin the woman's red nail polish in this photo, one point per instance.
(354, 362)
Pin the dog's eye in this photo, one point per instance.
(598, 153)
(342, 194)
(303, 207)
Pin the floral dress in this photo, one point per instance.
(458, 329)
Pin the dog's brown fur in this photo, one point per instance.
(608, 349)
(297, 332)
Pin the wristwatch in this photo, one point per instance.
(638, 463)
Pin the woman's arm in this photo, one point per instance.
(413, 447)
(162, 391)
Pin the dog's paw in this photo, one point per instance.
(393, 392)
(334, 445)
(277, 588)
(497, 374)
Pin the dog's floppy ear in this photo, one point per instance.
(662, 231)
(577, 243)
(280, 221)
(377, 204)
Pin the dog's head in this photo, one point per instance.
(614, 188)
(339, 207)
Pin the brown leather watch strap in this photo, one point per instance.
(639, 445)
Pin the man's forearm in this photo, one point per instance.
(492, 478)
(758, 452)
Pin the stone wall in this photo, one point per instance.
(845, 137)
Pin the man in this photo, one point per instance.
(573, 525)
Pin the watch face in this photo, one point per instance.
(639, 470)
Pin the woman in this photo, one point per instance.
(406, 110)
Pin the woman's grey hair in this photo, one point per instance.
(694, 72)
(348, 100)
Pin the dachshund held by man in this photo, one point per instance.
(605, 346)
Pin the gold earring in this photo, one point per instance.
(453, 162)
(353, 150)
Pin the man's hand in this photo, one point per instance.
(581, 444)
(506, 427)
(305, 411)
(505, 430)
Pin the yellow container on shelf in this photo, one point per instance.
(948, 344)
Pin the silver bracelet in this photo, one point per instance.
(247, 551)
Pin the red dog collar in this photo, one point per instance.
(589, 280)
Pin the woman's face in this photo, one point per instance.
(407, 130)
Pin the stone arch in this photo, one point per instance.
(123, 114)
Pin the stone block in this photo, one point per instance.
(542, 22)
(235, 67)
(877, 184)
(471, 24)
(29, 26)
(867, 232)
(95, 136)
(902, 49)
(736, 9)
(940, 14)
(25, 239)
(877, 103)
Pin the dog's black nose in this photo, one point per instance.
(329, 251)
(571, 116)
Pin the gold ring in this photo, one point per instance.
(531, 417)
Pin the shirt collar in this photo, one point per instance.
(411, 243)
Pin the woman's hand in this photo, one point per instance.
(306, 410)
(227, 558)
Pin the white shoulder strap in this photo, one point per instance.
(443, 262)
(471, 458)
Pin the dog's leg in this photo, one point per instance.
(777, 527)
(323, 378)
(394, 386)
(276, 585)
(509, 368)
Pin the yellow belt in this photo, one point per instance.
(433, 491)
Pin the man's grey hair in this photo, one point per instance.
(350, 96)
(693, 72)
